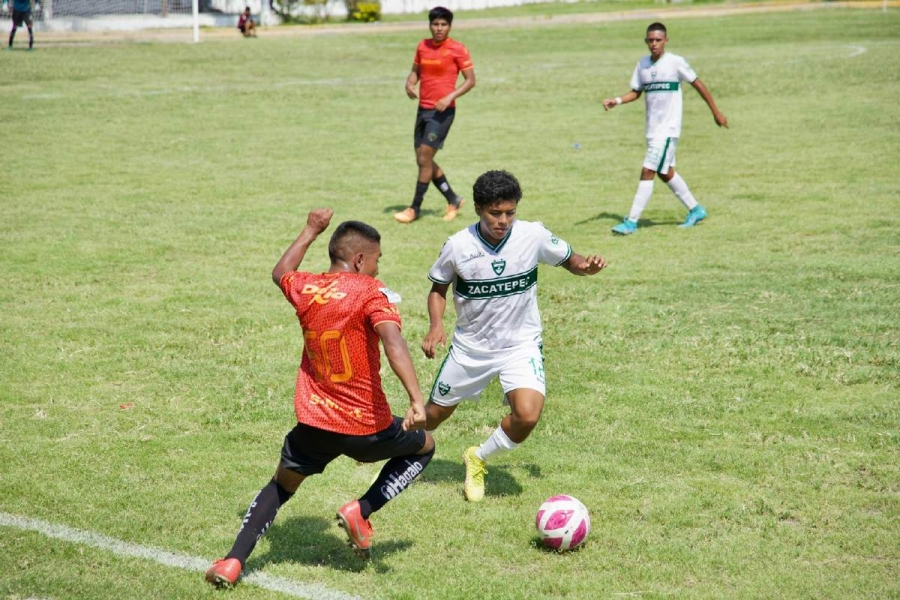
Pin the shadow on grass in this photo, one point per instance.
(319, 542)
(617, 218)
(498, 482)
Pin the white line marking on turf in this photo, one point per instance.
(857, 50)
(310, 591)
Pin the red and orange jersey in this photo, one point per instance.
(339, 382)
(439, 67)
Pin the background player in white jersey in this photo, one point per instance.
(659, 78)
(493, 268)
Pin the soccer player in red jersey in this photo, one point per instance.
(436, 68)
(340, 404)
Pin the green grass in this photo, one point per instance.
(724, 399)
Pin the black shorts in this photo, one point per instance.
(432, 127)
(308, 450)
(21, 16)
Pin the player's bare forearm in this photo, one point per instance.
(467, 84)
(437, 304)
(720, 119)
(411, 80)
(316, 222)
(611, 103)
(585, 265)
(398, 356)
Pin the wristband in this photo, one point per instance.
(618, 100)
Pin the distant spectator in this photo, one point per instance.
(246, 25)
(21, 13)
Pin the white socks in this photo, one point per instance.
(641, 198)
(681, 191)
(496, 445)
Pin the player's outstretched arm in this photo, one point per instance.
(721, 121)
(581, 265)
(437, 304)
(316, 222)
(611, 103)
(397, 353)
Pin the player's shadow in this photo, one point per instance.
(617, 218)
(499, 481)
(425, 212)
(319, 542)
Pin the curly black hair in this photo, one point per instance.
(496, 186)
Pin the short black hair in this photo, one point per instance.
(657, 26)
(495, 186)
(343, 238)
(439, 12)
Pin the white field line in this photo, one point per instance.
(311, 591)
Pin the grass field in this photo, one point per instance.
(724, 399)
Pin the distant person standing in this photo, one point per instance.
(436, 68)
(22, 14)
(659, 77)
(246, 25)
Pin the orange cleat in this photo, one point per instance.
(359, 530)
(224, 572)
(453, 209)
(407, 215)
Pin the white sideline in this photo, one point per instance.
(310, 591)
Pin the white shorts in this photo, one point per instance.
(464, 376)
(660, 155)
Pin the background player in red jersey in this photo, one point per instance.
(436, 68)
(340, 404)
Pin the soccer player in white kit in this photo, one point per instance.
(659, 77)
(493, 269)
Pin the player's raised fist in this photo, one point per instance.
(319, 219)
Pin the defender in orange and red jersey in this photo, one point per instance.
(436, 68)
(340, 404)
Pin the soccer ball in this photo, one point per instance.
(563, 522)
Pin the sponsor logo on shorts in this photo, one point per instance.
(397, 484)
(498, 266)
(443, 388)
(432, 136)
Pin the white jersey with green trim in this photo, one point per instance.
(495, 286)
(660, 82)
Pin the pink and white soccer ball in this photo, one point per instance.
(563, 522)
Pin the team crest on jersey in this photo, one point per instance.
(498, 266)
(443, 388)
(554, 240)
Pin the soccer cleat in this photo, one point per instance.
(694, 216)
(359, 530)
(224, 572)
(475, 472)
(625, 227)
(453, 209)
(407, 215)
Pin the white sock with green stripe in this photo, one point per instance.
(496, 445)
(641, 198)
(681, 191)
